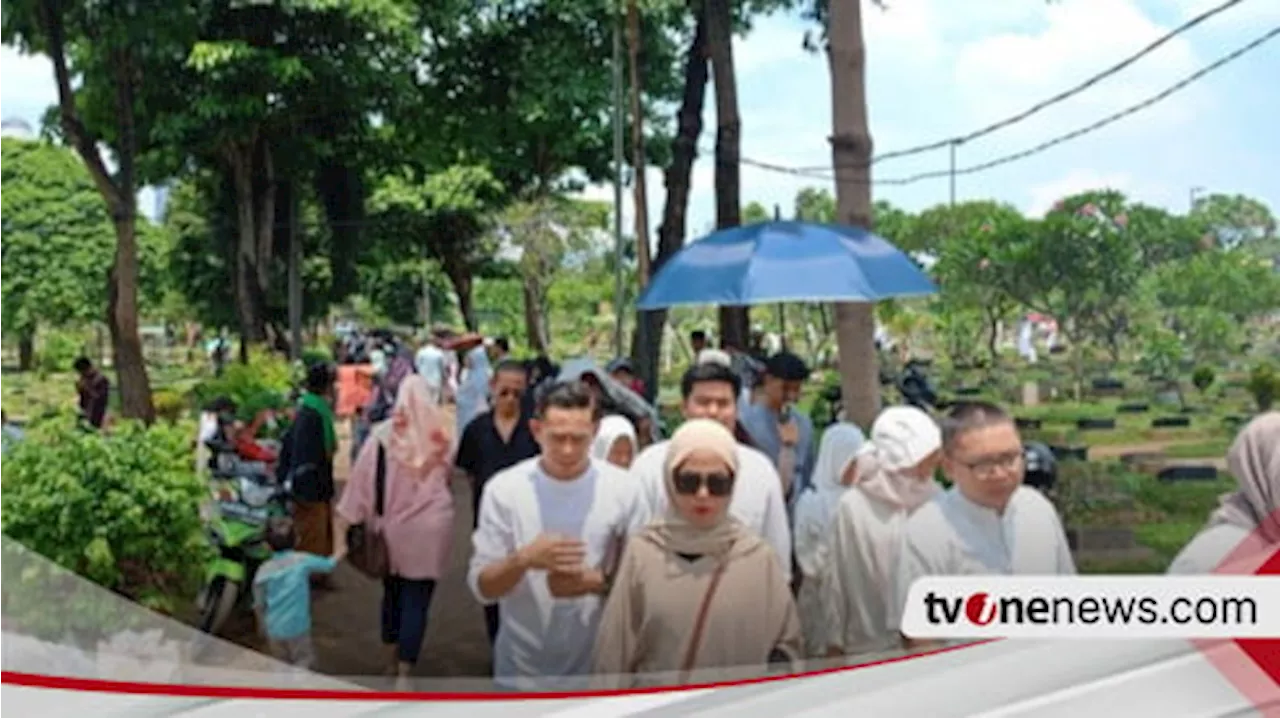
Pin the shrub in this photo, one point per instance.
(263, 383)
(119, 508)
(170, 405)
(312, 355)
(1264, 385)
(1203, 378)
(57, 352)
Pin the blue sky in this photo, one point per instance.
(938, 68)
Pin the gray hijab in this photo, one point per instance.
(1254, 460)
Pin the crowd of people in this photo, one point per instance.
(606, 556)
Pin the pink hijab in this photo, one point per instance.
(415, 435)
(1254, 459)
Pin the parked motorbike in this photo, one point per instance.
(1041, 468)
(244, 497)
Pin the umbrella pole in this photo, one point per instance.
(782, 324)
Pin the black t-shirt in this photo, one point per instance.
(482, 452)
(303, 458)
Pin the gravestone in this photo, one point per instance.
(1139, 459)
(1168, 397)
(1108, 384)
(1133, 408)
(1170, 422)
(1191, 410)
(1027, 424)
(1095, 424)
(968, 391)
(1188, 472)
(1031, 393)
(1070, 453)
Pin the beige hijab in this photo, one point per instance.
(1254, 459)
(673, 532)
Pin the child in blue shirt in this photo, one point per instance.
(282, 594)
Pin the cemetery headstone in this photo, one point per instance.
(1170, 422)
(1133, 408)
(1108, 384)
(968, 391)
(1069, 453)
(1095, 424)
(1031, 393)
(1191, 472)
(1027, 424)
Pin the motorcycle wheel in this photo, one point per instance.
(216, 602)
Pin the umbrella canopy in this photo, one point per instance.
(786, 262)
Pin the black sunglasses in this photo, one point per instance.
(688, 483)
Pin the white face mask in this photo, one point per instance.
(914, 492)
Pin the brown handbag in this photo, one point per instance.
(700, 623)
(366, 547)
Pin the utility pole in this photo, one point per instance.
(953, 173)
(619, 252)
(1194, 195)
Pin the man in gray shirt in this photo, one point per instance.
(784, 434)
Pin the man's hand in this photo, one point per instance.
(576, 582)
(550, 552)
(789, 432)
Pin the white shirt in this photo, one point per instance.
(545, 642)
(858, 583)
(1208, 549)
(953, 536)
(757, 496)
(430, 365)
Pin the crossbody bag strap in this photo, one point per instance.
(380, 482)
(700, 622)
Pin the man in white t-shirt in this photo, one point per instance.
(710, 391)
(987, 523)
(550, 531)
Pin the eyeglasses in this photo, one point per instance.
(990, 466)
(688, 483)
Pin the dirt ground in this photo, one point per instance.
(346, 620)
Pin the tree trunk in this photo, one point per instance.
(122, 321)
(646, 343)
(851, 155)
(119, 191)
(993, 337)
(26, 350)
(459, 275)
(640, 186)
(533, 324)
(247, 274)
(734, 320)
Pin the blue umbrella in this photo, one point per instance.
(775, 262)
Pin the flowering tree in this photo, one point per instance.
(1079, 265)
(967, 237)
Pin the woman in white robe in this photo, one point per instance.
(1247, 523)
(615, 441)
(473, 394)
(892, 477)
(815, 512)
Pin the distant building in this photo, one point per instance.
(162, 201)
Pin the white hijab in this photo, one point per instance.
(612, 428)
(901, 438)
(841, 444)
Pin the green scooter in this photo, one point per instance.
(244, 498)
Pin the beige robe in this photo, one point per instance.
(648, 621)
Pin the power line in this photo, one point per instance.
(1043, 146)
(1060, 97)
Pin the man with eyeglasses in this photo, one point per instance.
(987, 523)
(495, 440)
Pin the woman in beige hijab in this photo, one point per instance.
(696, 589)
(1247, 523)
